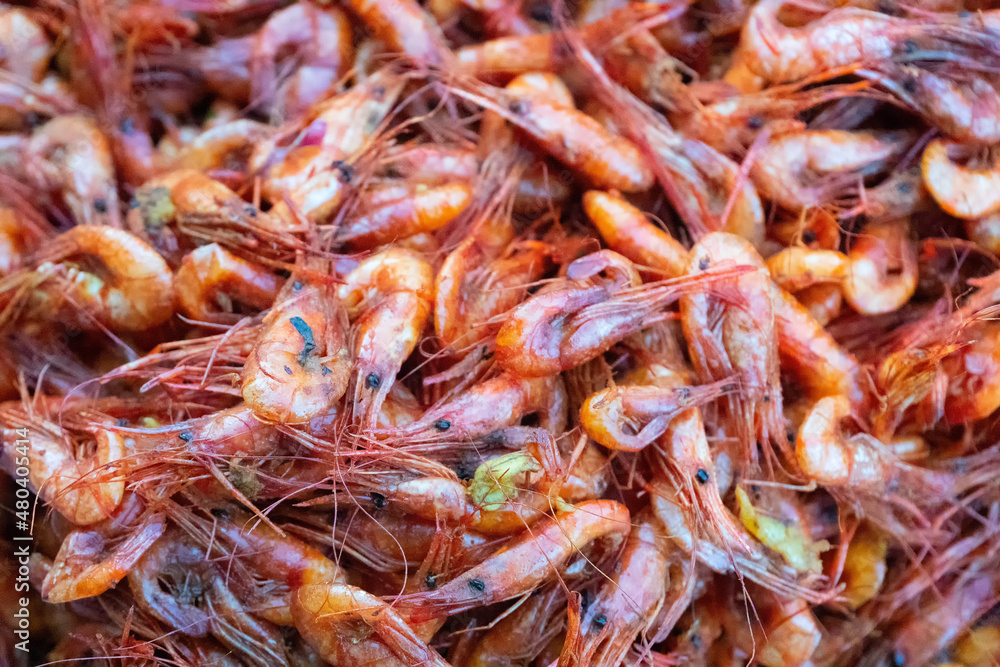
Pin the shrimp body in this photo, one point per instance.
(808, 168)
(770, 52)
(25, 46)
(797, 268)
(961, 191)
(418, 210)
(523, 633)
(406, 28)
(300, 364)
(627, 231)
(527, 562)
(347, 625)
(388, 298)
(132, 293)
(69, 155)
(78, 574)
(629, 418)
(883, 270)
(211, 278)
(825, 455)
(230, 433)
(737, 338)
(493, 404)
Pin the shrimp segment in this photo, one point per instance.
(627, 231)
(883, 270)
(300, 364)
(528, 562)
(211, 278)
(388, 297)
(960, 190)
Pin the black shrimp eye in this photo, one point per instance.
(809, 236)
(477, 585)
(755, 122)
(703, 263)
(373, 381)
(518, 107)
(442, 424)
(100, 205)
(186, 436)
(600, 621)
(378, 500)
(431, 581)
(701, 476)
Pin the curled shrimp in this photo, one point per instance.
(300, 363)
(347, 625)
(962, 191)
(406, 28)
(797, 268)
(132, 292)
(26, 47)
(388, 298)
(736, 337)
(70, 156)
(225, 146)
(882, 275)
(92, 560)
(629, 418)
(770, 52)
(809, 168)
(528, 562)
(210, 279)
(321, 37)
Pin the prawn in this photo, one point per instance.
(809, 168)
(493, 404)
(522, 633)
(70, 156)
(210, 279)
(405, 27)
(388, 298)
(92, 560)
(527, 562)
(882, 273)
(735, 336)
(348, 625)
(300, 363)
(24, 43)
(130, 291)
(963, 191)
(321, 40)
(578, 319)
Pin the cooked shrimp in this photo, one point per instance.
(985, 232)
(792, 633)
(210, 279)
(529, 561)
(24, 45)
(70, 157)
(627, 231)
(864, 566)
(962, 191)
(224, 147)
(797, 268)
(813, 167)
(405, 27)
(417, 210)
(388, 299)
(348, 625)
(89, 563)
(132, 291)
(493, 404)
(770, 52)
(577, 319)
(882, 271)
(300, 363)
(168, 582)
(570, 136)
(822, 302)
(523, 633)
(737, 337)
(319, 38)
(229, 433)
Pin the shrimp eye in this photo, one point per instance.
(186, 436)
(703, 263)
(100, 205)
(518, 107)
(442, 424)
(373, 381)
(755, 122)
(126, 126)
(296, 286)
(701, 476)
(431, 581)
(378, 500)
(219, 513)
(541, 12)
(477, 585)
(251, 211)
(600, 621)
(344, 171)
(121, 421)
(809, 236)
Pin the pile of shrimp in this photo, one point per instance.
(500, 332)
